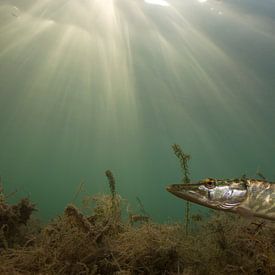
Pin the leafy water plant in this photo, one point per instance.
(78, 244)
(102, 243)
(115, 200)
(111, 181)
(184, 158)
(13, 219)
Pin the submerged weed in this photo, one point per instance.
(184, 158)
(102, 243)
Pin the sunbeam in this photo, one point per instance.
(96, 84)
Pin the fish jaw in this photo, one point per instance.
(220, 197)
(247, 197)
(191, 192)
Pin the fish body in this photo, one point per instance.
(248, 197)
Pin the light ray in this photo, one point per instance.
(118, 69)
(158, 2)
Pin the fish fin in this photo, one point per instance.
(244, 212)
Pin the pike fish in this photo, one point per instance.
(247, 197)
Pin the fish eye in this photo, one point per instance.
(210, 184)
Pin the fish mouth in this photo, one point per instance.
(182, 187)
(189, 192)
(169, 188)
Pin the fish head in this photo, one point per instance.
(213, 193)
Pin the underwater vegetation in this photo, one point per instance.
(13, 218)
(183, 159)
(100, 240)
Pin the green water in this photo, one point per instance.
(91, 85)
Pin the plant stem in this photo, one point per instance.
(184, 158)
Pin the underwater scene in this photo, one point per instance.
(137, 137)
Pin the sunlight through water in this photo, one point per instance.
(87, 86)
(157, 2)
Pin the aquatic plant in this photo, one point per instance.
(115, 200)
(112, 182)
(260, 174)
(144, 217)
(78, 244)
(184, 158)
(80, 189)
(141, 207)
(13, 219)
(100, 242)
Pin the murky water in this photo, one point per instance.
(91, 85)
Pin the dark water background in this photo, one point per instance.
(91, 85)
